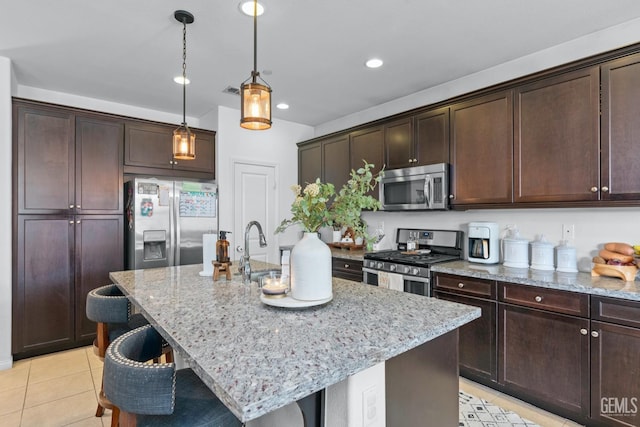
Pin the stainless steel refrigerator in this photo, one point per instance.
(166, 221)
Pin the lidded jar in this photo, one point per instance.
(542, 254)
(566, 258)
(515, 250)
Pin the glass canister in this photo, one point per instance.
(542, 254)
(566, 259)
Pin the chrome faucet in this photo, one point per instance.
(245, 265)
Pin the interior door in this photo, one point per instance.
(254, 191)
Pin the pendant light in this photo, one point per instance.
(255, 111)
(184, 141)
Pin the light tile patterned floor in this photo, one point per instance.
(61, 390)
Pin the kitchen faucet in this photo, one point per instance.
(245, 266)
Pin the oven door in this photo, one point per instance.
(412, 284)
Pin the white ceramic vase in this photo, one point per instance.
(311, 269)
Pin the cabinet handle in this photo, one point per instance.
(70, 222)
(605, 189)
(538, 298)
(415, 160)
(461, 285)
(594, 189)
(78, 222)
(78, 206)
(595, 334)
(70, 206)
(346, 266)
(583, 331)
(451, 196)
(170, 162)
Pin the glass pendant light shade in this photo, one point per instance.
(256, 106)
(184, 143)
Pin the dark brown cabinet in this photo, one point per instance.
(149, 150)
(620, 173)
(478, 340)
(367, 145)
(398, 144)
(431, 138)
(309, 163)
(482, 150)
(615, 358)
(556, 141)
(63, 258)
(335, 161)
(345, 268)
(544, 348)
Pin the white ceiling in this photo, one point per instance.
(128, 51)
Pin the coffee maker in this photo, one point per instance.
(483, 242)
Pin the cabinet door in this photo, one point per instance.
(367, 145)
(615, 377)
(620, 129)
(478, 340)
(99, 250)
(544, 358)
(205, 154)
(43, 296)
(557, 147)
(398, 144)
(45, 161)
(431, 139)
(482, 150)
(335, 161)
(148, 145)
(99, 169)
(309, 163)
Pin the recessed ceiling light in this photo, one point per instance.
(374, 63)
(282, 106)
(178, 79)
(246, 7)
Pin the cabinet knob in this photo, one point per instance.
(70, 222)
(594, 189)
(171, 162)
(78, 206)
(71, 206)
(461, 285)
(595, 334)
(451, 196)
(605, 189)
(415, 160)
(583, 331)
(538, 298)
(346, 266)
(78, 222)
(410, 160)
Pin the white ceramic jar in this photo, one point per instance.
(566, 258)
(542, 254)
(515, 251)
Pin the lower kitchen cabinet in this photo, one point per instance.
(62, 259)
(345, 268)
(615, 362)
(477, 346)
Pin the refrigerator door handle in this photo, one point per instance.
(176, 223)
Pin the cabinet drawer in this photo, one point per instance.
(347, 269)
(466, 286)
(545, 299)
(622, 312)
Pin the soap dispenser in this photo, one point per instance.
(222, 247)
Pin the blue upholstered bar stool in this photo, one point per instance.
(111, 310)
(157, 394)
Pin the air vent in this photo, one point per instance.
(231, 90)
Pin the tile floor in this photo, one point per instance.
(60, 390)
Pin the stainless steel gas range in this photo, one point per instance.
(417, 250)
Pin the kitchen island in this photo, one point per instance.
(257, 358)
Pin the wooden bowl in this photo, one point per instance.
(624, 272)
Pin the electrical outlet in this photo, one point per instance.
(370, 406)
(568, 232)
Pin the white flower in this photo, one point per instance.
(312, 189)
(296, 189)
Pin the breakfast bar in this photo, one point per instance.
(258, 358)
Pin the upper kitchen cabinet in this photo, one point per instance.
(367, 144)
(335, 160)
(620, 173)
(556, 144)
(399, 149)
(149, 150)
(431, 140)
(309, 163)
(482, 151)
(66, 162)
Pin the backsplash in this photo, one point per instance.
(593, 227)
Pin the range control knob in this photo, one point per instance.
(392, 267)
(406, 270)
(415, 271)
(379, 266)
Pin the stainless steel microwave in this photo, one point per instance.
(417, 188)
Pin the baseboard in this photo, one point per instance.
(6, 364)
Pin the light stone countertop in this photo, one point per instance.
(258, 358)
(573, 282)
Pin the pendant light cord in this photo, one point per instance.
(184, 71)
(255, 40)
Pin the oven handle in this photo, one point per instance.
(405, 278)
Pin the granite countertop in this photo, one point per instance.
(356, 254)
(573, 282)
(258, 358)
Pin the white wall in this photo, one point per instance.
(274, 146)
(6, 80)
(591, 44)
(593, 227)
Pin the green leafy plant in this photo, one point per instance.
(318, 205)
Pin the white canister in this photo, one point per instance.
(515, 251)
(566, 259)
(542, 254)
